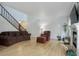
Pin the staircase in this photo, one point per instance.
(11, 37)
(5, 14)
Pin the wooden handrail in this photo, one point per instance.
(11, 19)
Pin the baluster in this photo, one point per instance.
(0, 9)
(10, 18)
(6, 14)
(3, 12)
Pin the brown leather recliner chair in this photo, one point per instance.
(44, 37)
(41, 39)
(47, 33)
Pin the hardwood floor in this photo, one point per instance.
(32, 48)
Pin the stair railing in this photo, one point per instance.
(5, 14)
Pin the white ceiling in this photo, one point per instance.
(50, 9)
(44, 11)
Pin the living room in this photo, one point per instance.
(37, 28)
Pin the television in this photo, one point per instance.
(74, 15)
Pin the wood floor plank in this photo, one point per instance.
(32, 48)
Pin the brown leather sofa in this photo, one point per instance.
(11, 37)
(44, 37)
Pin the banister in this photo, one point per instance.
(7, 16)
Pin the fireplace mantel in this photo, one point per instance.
(75, 27)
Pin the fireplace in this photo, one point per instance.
(75, 39)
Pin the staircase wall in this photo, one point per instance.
(6, 26)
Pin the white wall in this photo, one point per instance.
(55, 26)
(33, 26)
(16, 14)
(6, 26)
